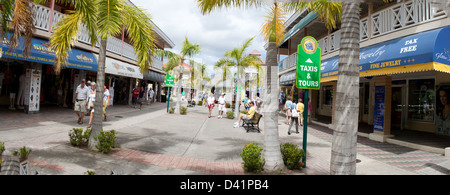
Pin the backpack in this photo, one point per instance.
(294, 111)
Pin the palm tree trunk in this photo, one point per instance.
(343, 151)
(272, 152)
(237, 99)
(180, 86)
(97, 122)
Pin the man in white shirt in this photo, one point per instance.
(79, 100)
(210, 101)
(221, 105)
(150, 96)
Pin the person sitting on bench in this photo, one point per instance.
(249, 115)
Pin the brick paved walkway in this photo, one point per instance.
(177, 162)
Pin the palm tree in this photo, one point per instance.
(224, 65)
(188, 50)
(103, 18)
(328, 12)
(17, 17)
(238, 58)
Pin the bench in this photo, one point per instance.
(253, 123)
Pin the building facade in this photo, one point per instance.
(404, 66)
(35, 84)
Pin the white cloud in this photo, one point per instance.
(217, 32)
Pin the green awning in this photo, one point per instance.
(300, 25)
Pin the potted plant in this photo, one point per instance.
(22, 153)
(2, 149)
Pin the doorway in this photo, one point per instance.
(398, 107)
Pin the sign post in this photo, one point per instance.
(308, 77)
(169, 84)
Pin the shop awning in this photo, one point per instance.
(288, 78)
(154, 76)
(415, 53)
(300, 25)
(41, 52)
(120, 68)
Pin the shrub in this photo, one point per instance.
(292, 155)
(2, 148)
(200, 103)
(77, 137)
(171, 110)
(230, 114)
(244, 112)
(105, 141)
(22, 153)
(251, 155)
(227, 105)
(183, 110)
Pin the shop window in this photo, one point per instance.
(421, 100)
(366, 98)
(328, 96)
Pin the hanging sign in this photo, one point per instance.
(308, 64)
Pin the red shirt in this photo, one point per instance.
(136, 93)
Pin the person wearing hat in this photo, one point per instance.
(221, 105)
(79, 100)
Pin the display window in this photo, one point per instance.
(421, 100)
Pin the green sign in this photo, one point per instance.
(169, 79)
(308, 64)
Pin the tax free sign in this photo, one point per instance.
(308, 64)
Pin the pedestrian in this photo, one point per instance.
(88, 108)
(141, 98)
(294, 117)
(210, 102)
(79, 100)
(251, 112)
(309, 110)
(106, 97)
(135, 96)
(245, 101)
(221, 105)
(287, 107)
(150, 96)
(300, 107)
(91, 103)
(258, 102)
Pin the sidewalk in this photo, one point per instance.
(154, 142)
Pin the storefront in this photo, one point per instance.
(26, 76)
(404, 83)
(120, 79)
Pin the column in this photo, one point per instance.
(382, 109)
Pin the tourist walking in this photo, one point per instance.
(150, 96)
(287, 107)
(134, 98)
(141, 98)
(210, 102)
(294, 117)
(91, 103)
(79, 100)
(251, 112)
(301, 108)
(106, 97)
(221, 102)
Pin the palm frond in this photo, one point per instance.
(140, 30)
(109, 18)
(22, 24)
(5, 15)
(64, 36)
(189, 49)
(206, 6)
(273, 29)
